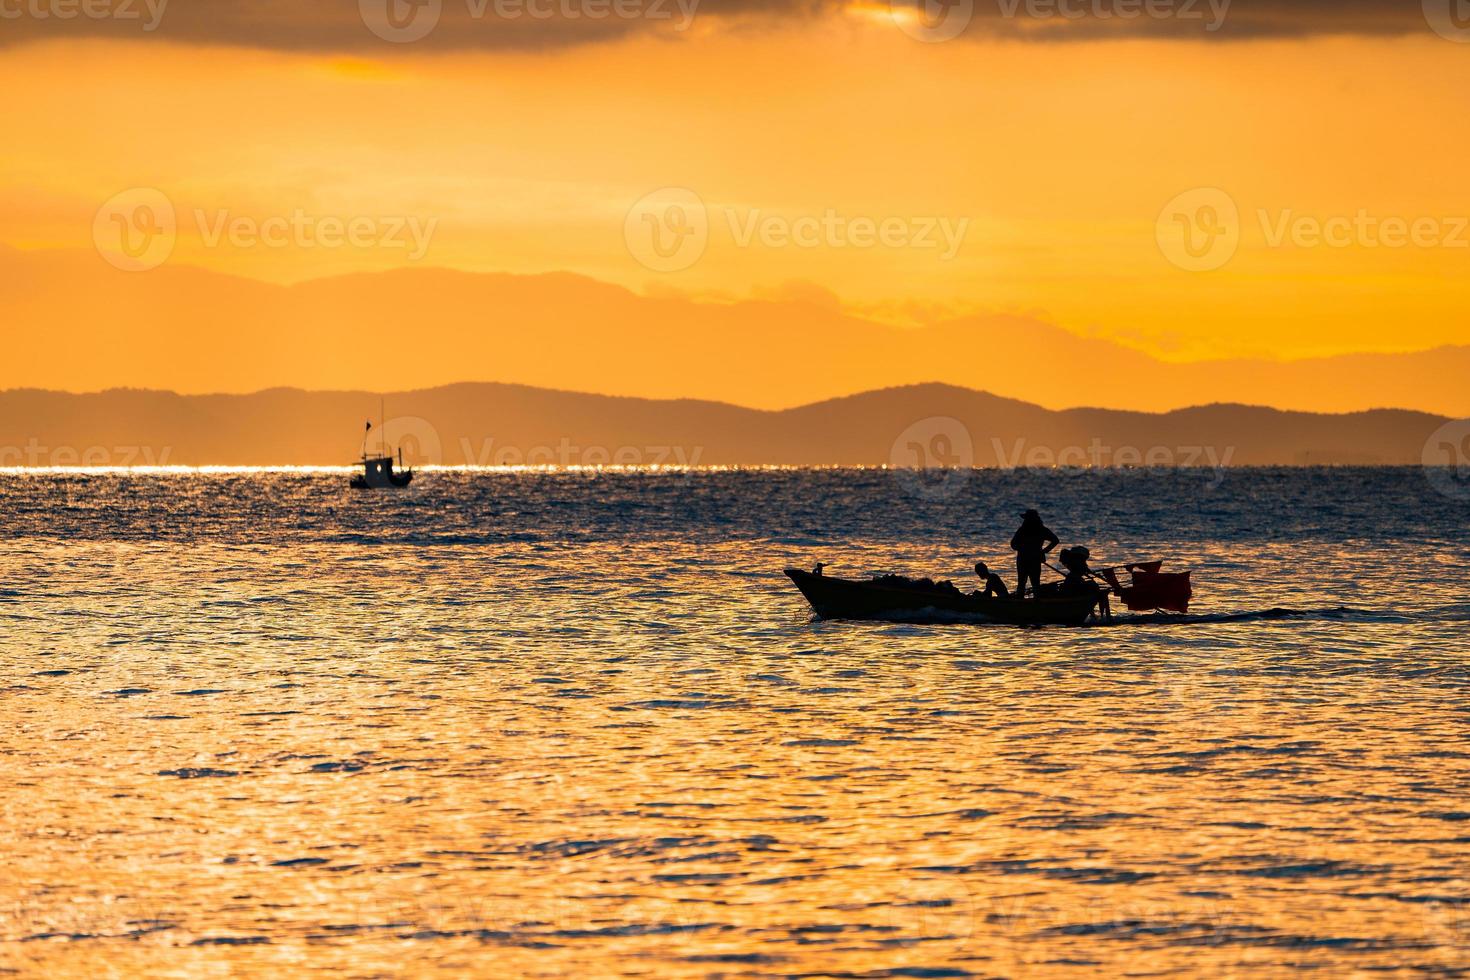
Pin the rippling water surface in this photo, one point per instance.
(577, 724)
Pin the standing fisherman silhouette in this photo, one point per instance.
(1031, 542)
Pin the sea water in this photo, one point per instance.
(579, 724)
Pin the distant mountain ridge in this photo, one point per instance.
(78, 324)
(502, 424)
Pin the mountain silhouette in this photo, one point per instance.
(81, 325)
(500, 424)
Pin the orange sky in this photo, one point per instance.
(1011, 177)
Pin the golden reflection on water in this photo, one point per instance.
(643, 759)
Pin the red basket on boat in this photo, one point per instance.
(1152, 589)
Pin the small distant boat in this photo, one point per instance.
(378, 474)
(835, 598)
(377, 471)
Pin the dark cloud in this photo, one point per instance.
(365, 26)
(1240, 19)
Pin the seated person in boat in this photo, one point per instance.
(994, 587)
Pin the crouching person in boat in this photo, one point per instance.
(995, 588)
(1080, 578)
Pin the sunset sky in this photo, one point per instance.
(831, 156)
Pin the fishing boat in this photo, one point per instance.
(894, 598)
(377, 470)
(378, 474)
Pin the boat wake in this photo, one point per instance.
(1275, 614)
(1343, 614)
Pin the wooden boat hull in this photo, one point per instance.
(835, 598)
(397, 480)
(378, 474)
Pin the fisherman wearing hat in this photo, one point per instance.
(1032, 542)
